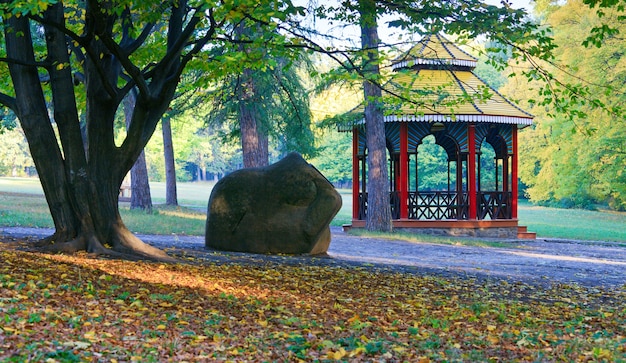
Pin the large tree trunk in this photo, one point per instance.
(254, 136)
(254, 142)
(171, 195)
(140, 197)
(378, 203)
(82, 192)
(32, 112)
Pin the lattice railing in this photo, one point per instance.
(494, 205)
(438, 205)
(394, 199)
(446, 205)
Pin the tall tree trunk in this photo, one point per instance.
(32, 112)
(254, 138)
(140, 197)
(171, 196)
(254, 142)
(378, 203)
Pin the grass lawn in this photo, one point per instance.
(16, 210)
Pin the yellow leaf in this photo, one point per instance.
(357, 351)
(262, 323)
(491, 327)
(493, 339)
(160, 327)
(399, 349)
(60, 66)
(90, 335)
(338, 354)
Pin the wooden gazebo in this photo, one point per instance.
(460, 111)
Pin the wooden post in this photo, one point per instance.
(404, 170)
(459, 186)
(514, 186)
(355, 174)
(471, 171)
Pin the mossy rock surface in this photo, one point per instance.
(284, 208)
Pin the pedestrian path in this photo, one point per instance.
(539, 261)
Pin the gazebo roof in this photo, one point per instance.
(434, 49)
(437, 75)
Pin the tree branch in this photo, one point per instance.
(24, 63)
(8, 101)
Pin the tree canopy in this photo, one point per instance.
(578, 162)
(79, 59)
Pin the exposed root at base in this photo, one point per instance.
(125, 246)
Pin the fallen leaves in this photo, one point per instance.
(73, 308)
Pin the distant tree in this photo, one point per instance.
(263, 102)
(140, 197)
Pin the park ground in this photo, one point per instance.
(215, 306)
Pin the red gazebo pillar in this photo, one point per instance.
(355, 174)
(404, 170)
(514, 182)
(471, 171)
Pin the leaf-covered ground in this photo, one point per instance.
(58, 308)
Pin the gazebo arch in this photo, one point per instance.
(460, 128)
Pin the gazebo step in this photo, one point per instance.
(522, 233)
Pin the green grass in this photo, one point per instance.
(573, 223)
(165, 220)
(24, 211)
(30, 210)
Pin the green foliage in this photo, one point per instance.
(276, 94)
(334, 158)
(578, 163)
(197, 148)
(432, 165)
(15, 159)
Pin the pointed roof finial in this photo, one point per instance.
(435, 51)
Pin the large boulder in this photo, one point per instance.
(282, 208)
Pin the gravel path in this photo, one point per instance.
(542, 261)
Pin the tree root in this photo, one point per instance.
(73, 246)
(126, 242)
(125, 246)
(62, 236)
